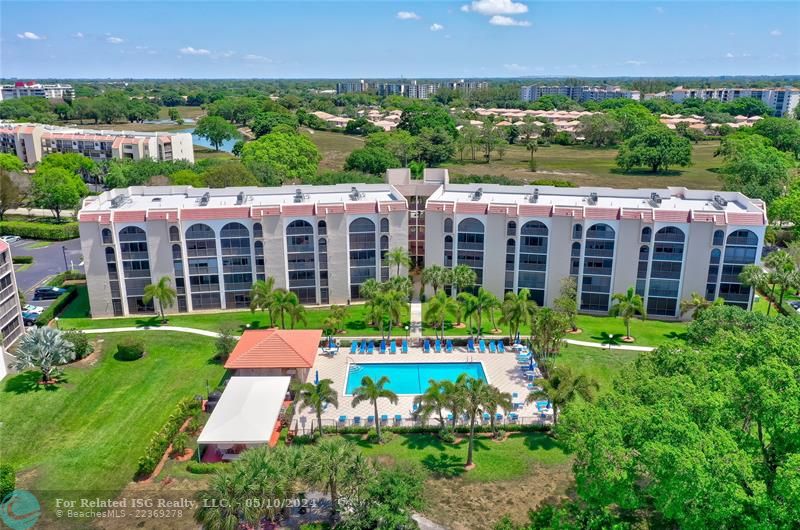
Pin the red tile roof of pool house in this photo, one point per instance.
(275, 348)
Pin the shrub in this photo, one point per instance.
(59, 279)
(80, 343)
(56, 307)
(315, 526)
(8, 480)
(38, 230)
(435, 429)
(203, 468)
(163, 437)
(563, 138)
(180, 443)
(129, 349)
(195, 424)
(19, 260)
(372, 435)
(447, 435)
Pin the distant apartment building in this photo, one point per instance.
(320, 242)
(32, 141)
(782, 101)
(416, 90)
(11, 326)
(410, 89)
(350, 87)
(22, 89)
(578, 93)
(468, 86)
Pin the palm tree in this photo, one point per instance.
(433, 276)
(475, 393)
(44, 349)
(486, 301)
(497, 399)
(283, 302)
(337, 315)
(432, 400)
(261, 296)
(784, 272)
(754, 276)
(628, 305)
(333, 463)
(373, 391)
(517, 309)
(561, 387)
(162, 292)
(398, 256)
(297, 313)
(463, 277)
(315, 396)
(369, 289)
(219, 506)
(453, 399)
(401, 284)
(374, 311)
(394, 305)
(438, 308)
(469, 306)
(697, 303)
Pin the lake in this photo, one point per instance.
(203, 142)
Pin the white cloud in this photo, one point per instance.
(495, 7)
(499, 20)
(194, 51)
(257, 58)
(78, 35)
(408, 15)
(729, 55)
(776, 33)
(29, 35)
(633, 62)
(223, 55)
(436, 27)
(114, 40)
(514, 67)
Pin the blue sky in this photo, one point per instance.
(333, 39)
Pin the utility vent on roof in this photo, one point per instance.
(205, 198)
(534, 197)
(477, 194)
(593, 198)
(655, 200)
(720, 202)
(118, 201)
(240, 198)
(299, 196)
(355, 194)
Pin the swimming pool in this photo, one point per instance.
(411, 378)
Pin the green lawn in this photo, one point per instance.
(600, 364)
(334, 147)
(75, 317)
(89, 431)
(506, 460)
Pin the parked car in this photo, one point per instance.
(29, 319)
(795, 305)
(10, 239)
(35, 309)
(48, 293)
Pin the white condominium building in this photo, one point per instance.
(11, 326)
(782, 101)
(32, 88)
(578, 93)
(33, 141)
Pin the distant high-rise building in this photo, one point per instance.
(578, 93)
(411, 89)
(350, 87)
(32, 88)
(11, 326)
(782, 101)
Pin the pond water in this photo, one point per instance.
(196, 140)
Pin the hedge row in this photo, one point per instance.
(435, 429)
(161, 439)
(58, 305)
(203, 468)
(59, 279)
(8, 480)
(34, 230)
(19, 260)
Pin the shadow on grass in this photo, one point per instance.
(444, 465)
(423, 441)
(676, 335)
(356, 325)
(641, 172)
(540, 441)
(29, 382)
(152, 322)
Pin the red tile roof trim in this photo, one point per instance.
(135, 216)
(275, 348)
(204, 213)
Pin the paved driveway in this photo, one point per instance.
(47, 261)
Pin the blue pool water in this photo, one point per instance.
(411, 378)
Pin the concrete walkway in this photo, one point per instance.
(626, 347)
(415, 325)
(180, 329)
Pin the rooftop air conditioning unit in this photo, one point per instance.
(240, 198)
(355, 194)
(118, 201)
(655, 199)
(205, 198)
(593, 198)
(476, 196)
(720, 202)
(534, 197)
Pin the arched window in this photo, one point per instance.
(533, 243)
(135, 268)
(598, 265)
(174, 233)
(511, 257)
(384, 263)
(237, 269)
(448, 226)
(641, 274)
(647, 234)
(300, 256)
(384, 226)
(575, 260)
(258, 230)
(176, 252)
(577, 231)
(741, 247)
(511, 228)
(470, 246)
(108, 237)
(362, 254)
(258, 250)
(110, 255)
(713, 274)
(322, 228)
(200, 241)
(204, 280)
(448, 251)
(719, 238)
(666, 271)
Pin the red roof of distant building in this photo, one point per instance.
(275, 348)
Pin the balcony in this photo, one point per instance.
(241, 286)
(140, 256)
(201, 252)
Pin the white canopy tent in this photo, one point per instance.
(247, 411)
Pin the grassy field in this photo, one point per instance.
(163, 114)
(334, 147)
(201, 152)
(600, 364)
(89, 431)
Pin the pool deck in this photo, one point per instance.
(501, 370)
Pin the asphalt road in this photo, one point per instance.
(47, 261)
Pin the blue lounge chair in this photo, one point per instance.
(398, 418)
(383, 346)
(356, 420)
(405, 346)
(482, 346)
(449, 346)
(426, 346)
(384, 419)
(492, 347)
(353, 347)
(342, 419)
(486, 416)
(363, 348)
(437, 347)
(470, 345)
(501, 347)
(450, 418)
(498, 417)
(370, 420)
(393, 348)
(513, 416)
(371, 347)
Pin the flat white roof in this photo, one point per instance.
(672, 198)
(247, 411)
(146, 197)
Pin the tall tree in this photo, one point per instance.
(432, 400)
(627, 306)
(229, 173)
(216, 130)
(656, 148)
(439, 307)
(398, 256)
(561, 387)
(463, 278)
(488, 302)
(696, 304)
(279, 158)
(57, 189)
(337, 467)
(783, 272)
(753, 167)
(284, 302)
(162, 292)
(371, 391)
(433, 275)
(476, 393)
(316, 396)
(10, 194)
(517, 309)
(262, 296)
(548, 328)
(497, 399)
(45, 349)
(567, 301)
